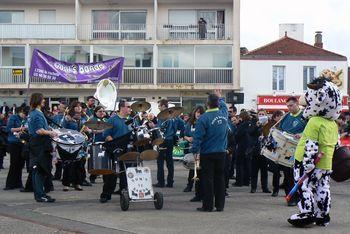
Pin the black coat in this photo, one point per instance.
(40, 153)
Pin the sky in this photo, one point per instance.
(260, 21)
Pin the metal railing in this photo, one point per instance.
(114, 31)
(214, 76)
(138, 76)
(12, 75)
(194, 76)
(37, 31)
(175, 76)
(193, 32)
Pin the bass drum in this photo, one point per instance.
(99, 163)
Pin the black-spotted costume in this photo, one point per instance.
(323, 101)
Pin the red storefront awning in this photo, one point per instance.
(272, 103)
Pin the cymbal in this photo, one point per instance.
(129, 156)
(98, 125)
(140, 106)
(148, 155)
(170, 113)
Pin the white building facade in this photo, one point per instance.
(165, 54)
(272, 73)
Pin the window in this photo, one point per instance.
(11, 17)
(176, 56)
(308, 75)
(75, 54)
(52, 50)
(182, 17)
(47, 16)
(278, 78)
(213, 56)
(13, 56)
(102, 53)
(138, 56)
(119, 24)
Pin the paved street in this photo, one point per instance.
(81, 212)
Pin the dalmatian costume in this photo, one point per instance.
(323, 106)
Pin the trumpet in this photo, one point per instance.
(196, 167)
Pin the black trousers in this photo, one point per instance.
(58, 171)
(110, 181)
(243, 168)
(72, 173)
(189, 178)
(288, 179)
(259, 163)
(14, 176)
(48, 185)
(228, 159)
(213, 180)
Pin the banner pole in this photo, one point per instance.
(27, 91)
(116, 98)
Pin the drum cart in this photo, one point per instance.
(139, 181)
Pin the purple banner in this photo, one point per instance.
(44, 66)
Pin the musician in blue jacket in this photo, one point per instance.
(15, 126)
(169, 127)
(40, 147)
(118, 136)
(209, 145)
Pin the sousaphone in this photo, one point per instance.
(106, 94)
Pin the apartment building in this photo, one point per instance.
(168, 54)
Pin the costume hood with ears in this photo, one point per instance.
(323, 99)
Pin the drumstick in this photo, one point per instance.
(303, 178)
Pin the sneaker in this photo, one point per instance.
(274, 194)
(292, 203)
(203, 209)
(78, 187)
(104, 199)
(86, 183)
(158, 185)
(323, 222)
(266, 191)
(65, 188)
(46, 199)
(187, 189)
(253, 190)
(195, 199)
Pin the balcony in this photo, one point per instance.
(194, 76)
(12, 75)
(37, 31)
(191, 32)
(114, 32)
(138, 76)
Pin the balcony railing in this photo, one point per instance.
(138, 76)
(114, 32)
(37, 31)
(13, 75)
(193, 32)
(194, 76)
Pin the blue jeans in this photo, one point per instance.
(38, 179)
(166, 155)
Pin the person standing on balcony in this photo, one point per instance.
(202, 28)
(4, 109)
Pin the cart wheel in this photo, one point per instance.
(124, 200)
(158, 200)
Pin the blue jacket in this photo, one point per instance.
(211, 131)
(293, 124)
(70, 124)
(13, 122)
(119, 127)
(36, 121)
(189, 130)
(171, 126)
(57, 119)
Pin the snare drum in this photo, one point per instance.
(99, 163)
(142, 136)
(69, 143)
(285, 144)
(157, 136)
